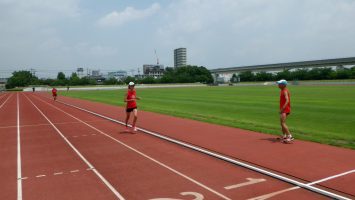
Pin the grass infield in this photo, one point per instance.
(324, 114)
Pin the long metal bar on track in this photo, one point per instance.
(222, 157)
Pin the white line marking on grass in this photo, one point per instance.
(220, 156)
(118, 195)
(266, 196)
(19, 172)
(144, 155)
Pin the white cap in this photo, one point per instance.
(282, 81)
(130, 83)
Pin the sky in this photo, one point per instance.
(110, 35)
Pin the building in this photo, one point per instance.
(80, 72)
(3, 82)
(179, 57)
(155, 71)
(119, 75)
(95, 73)
(225, 74)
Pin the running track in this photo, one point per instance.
(49, 150)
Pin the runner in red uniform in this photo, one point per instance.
(285, 110)
(131, 98)
(54, 94)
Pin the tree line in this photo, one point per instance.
(299, 74)
(186, 74)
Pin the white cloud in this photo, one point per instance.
(117, 18)
(237, 32)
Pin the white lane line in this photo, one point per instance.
(24, 178)
(250, 181)
(220, 156)
(19, 172)
(58, 173)
(332, 177)
(118, 195)
(89, 169)
(144, 155)
(5, 127)
(74, 171)
(266, 196)
(40, 176)
(5, 101)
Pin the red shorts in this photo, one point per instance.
(54, 94)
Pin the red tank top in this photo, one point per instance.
(283, 101)
(131, 95)
(54, 91)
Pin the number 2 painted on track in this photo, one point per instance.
(197, 196)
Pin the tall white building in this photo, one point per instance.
(179, 57)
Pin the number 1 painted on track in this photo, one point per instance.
(249, 182)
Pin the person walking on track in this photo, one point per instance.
(130, 99)
(285, 110)
(54, 94)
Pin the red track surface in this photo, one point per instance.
(139, 166)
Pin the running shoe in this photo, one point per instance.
(134, 128)
(288, 140)
(281, 137)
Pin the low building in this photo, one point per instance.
(225, 74)
(3, 82)
(155, 71)
(119, 75)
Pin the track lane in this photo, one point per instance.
(8, 148)
(134, 173)
(232, 142)
(212, 171)
(48, 163)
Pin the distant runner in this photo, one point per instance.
(54, 94)
(131, 98)
(285, 110)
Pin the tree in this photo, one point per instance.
(343, 73)
(264, 76)
(187, 74)
(300, 74)
(285, 74)
(74, 79)
(129, 79)
(234, 78)
(247, 76)
(353, 72)
(148, 80)
(61, 76)
(21, 79)
(111, 81)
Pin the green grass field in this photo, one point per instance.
(324, 114)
